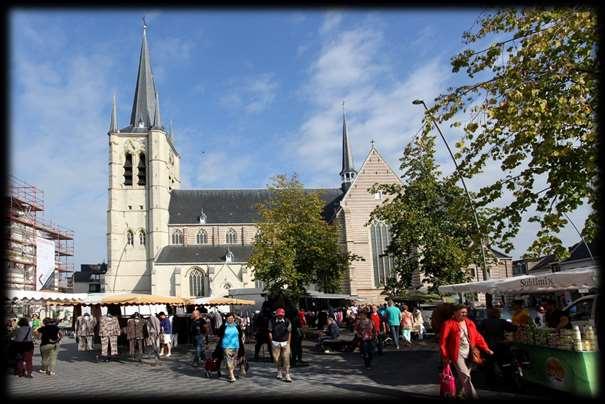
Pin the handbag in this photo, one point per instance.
(447, 386)
(476, 357)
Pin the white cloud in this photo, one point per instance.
(331, 21)
(253, 94)
(221, 170)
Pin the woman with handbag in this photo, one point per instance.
(460, 344)
(24, 346)
(230, 347)
(366, 332)
(49, 345)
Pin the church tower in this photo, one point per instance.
(144, 167)
(348, 173)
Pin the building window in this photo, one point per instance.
(231, 237)
(202, 237)
(229, 257)
(259, 284)
(177, 237)
(128, 169)
(383, 264)
(94, 288)
(378, 195)
(142, 168)
(198, 284)
(129, 238)
(142, 237)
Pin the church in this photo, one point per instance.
(165, 240)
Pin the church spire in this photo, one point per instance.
(348, 171)
(113, 124)
(144, 104)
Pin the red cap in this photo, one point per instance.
(280, 312)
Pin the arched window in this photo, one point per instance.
(198, 284)
(177, 237)
(128, 169)
(383, 264)
(142, 170)
(129, 238)
(229, 257)
(142, 237)
(231, 237)
(202, 237)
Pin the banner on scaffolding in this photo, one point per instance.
(45, 258)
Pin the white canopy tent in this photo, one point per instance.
(585, 278)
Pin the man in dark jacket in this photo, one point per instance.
(280, 332)
(297, 337)
(261, 332)
(199, 329)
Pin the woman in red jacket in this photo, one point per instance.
(458, 336)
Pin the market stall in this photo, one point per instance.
(565, 360)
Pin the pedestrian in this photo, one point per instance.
(50, 336)
(419, 323)
(331, 333)
(520, 315)
(230, 346)
(366, 332)
(393, 315)
(261, 325)
(540, 317)
(199, 329)
(280, 331)
(493, 329)
(36, 323)
(297, 338)
(24, 347)
(407, 323)
(166, 335)
(378, 327)
(555, 317)
(458, 339)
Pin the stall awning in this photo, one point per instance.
(135, 299)
(222, 301)
(585, 278)
(321, 295)
(44, 297)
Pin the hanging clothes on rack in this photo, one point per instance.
(109, 330)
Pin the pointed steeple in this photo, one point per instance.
(113, 124)
(157, 122)
(348, 171)
(144, 104)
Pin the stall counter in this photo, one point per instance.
(575, 372)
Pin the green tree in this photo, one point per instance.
(430, 220)
(295, 246)
(531, 107)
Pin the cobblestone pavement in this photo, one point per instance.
(396, 374)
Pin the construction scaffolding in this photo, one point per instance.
(24, 224)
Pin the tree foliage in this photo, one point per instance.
(532, 104)
(295, 246)
(431, 222)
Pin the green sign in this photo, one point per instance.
(570, 371)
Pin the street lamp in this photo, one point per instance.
(418, 102)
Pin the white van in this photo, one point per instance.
(584, 311)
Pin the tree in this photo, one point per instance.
(533, 102)
(431, 223)
(295, 246)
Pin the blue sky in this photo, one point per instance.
(251, 94)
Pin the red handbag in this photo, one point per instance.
(448, 384)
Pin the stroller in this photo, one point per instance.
(212, 365)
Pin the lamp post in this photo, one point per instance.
(418, 102)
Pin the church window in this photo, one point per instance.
(383, 263)
(202, 218)
(142, 237)
(378, 195)
(231, 237)
(177, 237)
(229, 256)
(129, 238)
(202, 237)
(128, 169)
(142, 168)
(198, 284)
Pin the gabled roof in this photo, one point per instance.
(580, 252)
(176, 254)
(230, 205)
(499, 254)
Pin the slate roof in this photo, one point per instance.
(499, 254)
(579, 251)
(232, 205)
(544, 261)
(174, 254)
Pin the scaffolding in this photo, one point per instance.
(24, 225)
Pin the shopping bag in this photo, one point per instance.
(448, 384)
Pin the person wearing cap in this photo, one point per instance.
(280, 331)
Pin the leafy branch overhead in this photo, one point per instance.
(532, 108)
